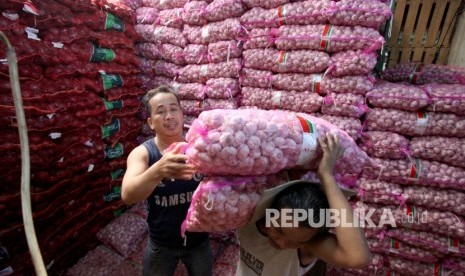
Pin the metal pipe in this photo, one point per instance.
(25, 161)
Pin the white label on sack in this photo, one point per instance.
(176, 85)
(276, 98)
(157, 32)
(11, 16)
(422, 122)
(58, 45)
(50, 116)
(32, 33)
(4, 61)
(309, 143)
(90, 168)
(204, 70)
(30, 8)
(55, 135)
(89, 143)
(205, 33)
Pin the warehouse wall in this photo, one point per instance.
(457, 53)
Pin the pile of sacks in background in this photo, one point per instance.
(312, 56)
(79, 78)
(193, 47)
(315, 55)
(123, 245)
(416, 132)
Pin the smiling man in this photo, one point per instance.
(166, 182)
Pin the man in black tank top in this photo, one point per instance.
(166, 182)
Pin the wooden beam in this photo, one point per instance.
(410, 23)
(448, 27)
(435, 23)
(405, 57)
(397, 22)
(443, 54)
(429, 56)
(457, 52)
(420, 32)
(418, 54)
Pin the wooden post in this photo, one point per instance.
(457, 52)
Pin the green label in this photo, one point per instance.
(110, 81)
(102, 54)
(118, 104)
(117, 174)
(115, 193)
(111, 128)
(113, 22)
(118, 212)
(115, 152)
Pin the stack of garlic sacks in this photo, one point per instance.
(193, 47)
(305, 66)
(416, 133)
(78, 73)
(296, 49)
(295, 60)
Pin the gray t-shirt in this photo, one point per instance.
(257, 256)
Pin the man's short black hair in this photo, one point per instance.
(305, 196)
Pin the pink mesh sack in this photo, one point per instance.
(266, 4)
(193, 13)
(345, 104)
(256, 142)
(351, 63)
(397, 96)
(192, 107)
(258, 38)
(367, 13)
(298, 13)
(394, 247)
(204, 72)
(124, 233)
(419, 218)
(352, 126)
(419, 73)
(222, 88)
(307, 102)
(420, 172)
(146, 15)
(415, 123)
(448, 98)
(170, 18)
(327, 38)
(189, 91)
(384, 144)
(164, 4)
(441, 199)
(221, 204)
(161, 34)
(442, 149)
(223, 9)
(229, 29)
(282, 61)
(220, 104)
(427, 240)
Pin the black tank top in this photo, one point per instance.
(167, 208)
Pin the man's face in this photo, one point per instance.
(289, 237)
(166, 118)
